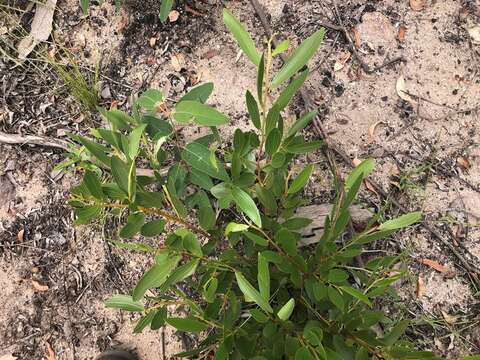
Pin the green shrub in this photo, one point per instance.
(230, 260)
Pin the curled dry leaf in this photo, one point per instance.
(434, 265)
(417, 5)
(420, 287)
(50, 355)
(173, 15)
(341, 61)
(402, 30)
(371, 129)
(402, 90)
(39, 287)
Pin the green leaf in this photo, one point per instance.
(197, 156)
(278, 160)
(396, 332)
(251, 293)
(201, 114)
(119, 119)
(263, 277)
(120, 173)
(304, 148)
(192, 245)
(362, 170)
(299, 57)
(260, 75)
(256, 239)
(149, 199)
(156, 128)
(286, 311)
(93, 184)
(188, 324)
(337, 276)
(356, 294)
(180, 274)
(97, 150)
(282, 47)
(273, 141)
(297, 223)
(287, 241)
(199, 93)
(143, 322)
(266, 198)
(159, 319)
(402, 221)
(234, 227)
(272, 119)
(153, 228)
(242, 37)
(132, 182)
(165, 9)
(336, 298)
(133, 226)
(290, 91)
(84, 4)
(304, 120)
(252, 107)
(150, 99)
(86, 214)
(156, 276)
(247, 205)
(124, 302)
(301, 180)
(259, 316)
(303, 354)
(134, 140)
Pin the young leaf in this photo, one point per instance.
(259, 316)
(234, 227)
(84, 4)
(304, 120)
(124, 302)
(199, 93)
(291, 90)
(133, 226)
(247, 205)
(252, 107)
(188, 324)
(159, 318)
(282, 47)
(299, 57)
(263, 277)
(286, 311)
(165, 9)
(273, 141)
(150, 99)
(93, 184)
(157, 274)
(396, 332)
(272, 119)
(201, 114)
(251, 293)
(192, 245)
(143, 322)
(180, 273)
(301, 180)
(337, 276)
(153, 228)
(134, 141)
(117, 118)
(242, 37)
(260, 75)
(356, 294)
(401, 222)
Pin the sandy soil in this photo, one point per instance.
(422, 130)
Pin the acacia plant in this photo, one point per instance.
(224, 215)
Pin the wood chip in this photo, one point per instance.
(420, 287)
(39, 287)
(40, 30)
(152, 41)
(173, 16)
(417, 5)
(434, 265)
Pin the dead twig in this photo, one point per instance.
(15, 139)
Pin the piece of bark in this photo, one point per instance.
(33, 140)
(40, 30)
(318, 213)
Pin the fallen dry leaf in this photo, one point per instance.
(434, 265)
(8, 357)
(370, 187)
(371, 129)
(402, 30)
(463, 163)
(50, 355)
(341, 61)
(173, 15)
(152, 41)
(20, 235)
(420, 287)
(417, 5)
(177, 61)
(474, 33)
(357, 38)
(402, 90)
(40, 30)
(38, 286)
(450, 319)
